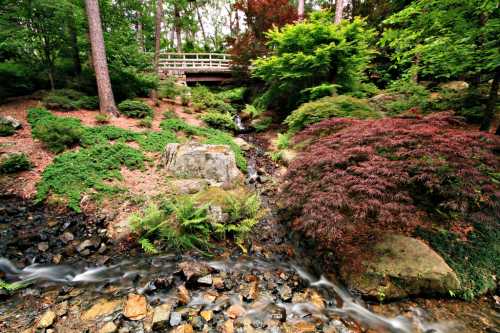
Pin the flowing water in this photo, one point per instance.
(138, 275)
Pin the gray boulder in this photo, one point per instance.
(8, 120)
(215, 163)
(400, 267)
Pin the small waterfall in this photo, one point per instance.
(239, 124)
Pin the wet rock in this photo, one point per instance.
(183, 295)
(67, 237)
(57, 259)
(197, 323)
(175, 318)
(193, 269)
(193, 160)
(62, 308)
(109, 327)
(101, 309)
(250, 292)
(86, 245)
(136, 307)
(401, 266)
(228, 327)
(42, 247)
(161, 316)
(244, 145)
(276, 312)
(285, 293)
(186, 328)
(299, 327)
(8, 120)
(235, 311)
(205, 280)
(47, 319)
(207, 315)
(218, 282)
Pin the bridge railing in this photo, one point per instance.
(195, 61)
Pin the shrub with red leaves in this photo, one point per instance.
(358, 179)
(260, 16)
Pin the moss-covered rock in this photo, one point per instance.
(401, 266)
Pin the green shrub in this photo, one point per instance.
(102, 118)
(408, 95)
(234, 95)
(17, 79)
(262, 124)
(15, 163)
(129, 82)
(283, 140)
(72, 174)
(88, 102)
(170, 89)
(135, 109)
(329, 107)
(57, 133)
(323, 90)
(156, 141)
(203, 99)
(55, 101)
(313, 53)
(252, 111)
(7, 129)
(170, 113)
(146, 122)
(223, 121)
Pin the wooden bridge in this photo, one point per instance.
(196, 67)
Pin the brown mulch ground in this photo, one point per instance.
(23, 184)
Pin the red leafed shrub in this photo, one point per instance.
(358, 179)
(260, 16)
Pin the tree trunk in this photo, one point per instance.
(339, 11)
(490, 111)
(158, 20)
(106, 98)
(77, 64)
(301, 10)
(200, 21)
(178, 30)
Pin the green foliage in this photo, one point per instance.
(135, 109)
(450, 38)
(203, 99)
(102, 118)
(146, 122)
(329, 107)
(408, 95)
(234, 95)
(476, 260)
(170, 89)
(57, 133)
(11, 287)
(88, 102)
(16, 79)
(262, 124)
(323, 90)
(72, 174)
(6, 129)
(283, 140)
(223, 121)
(156, 141)
(211, 135)
(310, 54)
(252, 111)
(15, 163)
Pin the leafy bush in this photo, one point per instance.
(128, 82)
(57, 133)
(15, 163)
(88, 102)
(135, 109)
(252, 111)
(234, 95)
(7, 129)
(223, 121)
(102, 118)
(323, 90)
(311, 54)
(262, 124)
(211, 135)
(170, 89)
(204, 99)
(72, 174)
(16, 79)
(358, 179)
(329, 107)
(146, 122)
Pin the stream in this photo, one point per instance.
(81, 281)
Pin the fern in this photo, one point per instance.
(147, 246)
(11, 287)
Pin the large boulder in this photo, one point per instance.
(215, 163)
(8, 120)
(400, 267)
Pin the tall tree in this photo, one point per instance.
(158, 21)
(301, 10)
(106, 97)
(339, 11)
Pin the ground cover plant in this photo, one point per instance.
(223, 121)
(135, 109)
(15, 163)
(359, 179)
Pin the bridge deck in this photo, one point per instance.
(183, 63)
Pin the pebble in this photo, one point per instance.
(67, 237)
(62, 308)
(206, 280)
(136, 307)
(183, 294)
(285, 293)
(175, 318)
(235, 311)
(47, 319)
(161, 315)
(109, 327)
(57, 259)
(43, 246)
(101, 309)
(207, 315)
(186, 328)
